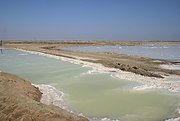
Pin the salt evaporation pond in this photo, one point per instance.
(93, 94)
(155, 51)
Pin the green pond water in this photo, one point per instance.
(94, 94)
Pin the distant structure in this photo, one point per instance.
(1, 43)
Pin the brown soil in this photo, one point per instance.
(20, 101)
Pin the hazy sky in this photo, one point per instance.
(90, 19)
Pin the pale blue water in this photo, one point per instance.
(95, 95)
(155, 51)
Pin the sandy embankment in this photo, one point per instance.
(20, 101)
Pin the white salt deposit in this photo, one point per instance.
(170, 66)
(174, 119)
(50, 95)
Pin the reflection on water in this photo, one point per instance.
(96, 94)
(155, 51)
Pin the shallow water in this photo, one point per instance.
(93, 94)
(155, 51)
